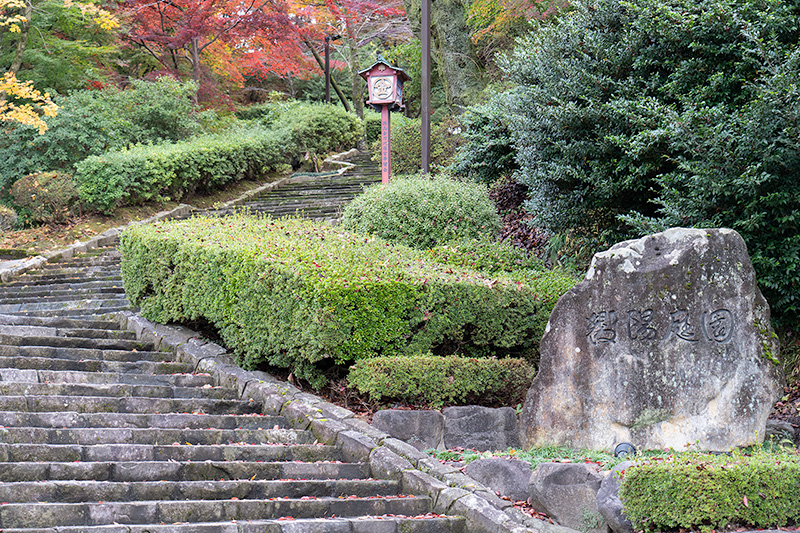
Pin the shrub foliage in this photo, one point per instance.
(93, 122)
(305, 296)
(644, 114)
(703, 491)
(171, 171)
(49, 197)
(422, 212)
(438, 381)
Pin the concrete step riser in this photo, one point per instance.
(172, 452)
(136, 491)
(79, 354)
(26, 515)
(71, 419)
(179, 471)
(98, 365)
(131, 405)
(72, 342)
(372, 524)
(152, 436)
(114, 390)
(67, 377)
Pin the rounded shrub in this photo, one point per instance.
(421, 212)
(8, 218)
(437, 381)
(49, 197)
(485, 255)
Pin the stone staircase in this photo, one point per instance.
(101, 432)
(317, 196)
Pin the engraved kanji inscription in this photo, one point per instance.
(681, 327)
(718, 325)
(639, 325)
(602, 327)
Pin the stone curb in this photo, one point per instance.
(450, 491)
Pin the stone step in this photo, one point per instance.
(90, 306)
(131, 471)
(18, 330)
(176, 452)
(73, 419)
(367, 524)
(99, 313)
(51, 293)
(113, 276)
(29, 515)
(113, 390)
(131, 404)
(32, 288)
(95, 365)
(68, 377)
(83, 354)
(58, 322)
(154, 436)
(72, 491)
(73, 342)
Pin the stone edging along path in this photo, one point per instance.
(451, 491)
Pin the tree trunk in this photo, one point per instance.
(451, 50)
(25, 27)
(334, 84)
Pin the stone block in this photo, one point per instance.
(422, 429)
(480, 428)
(355, 446)
(667, 341)
(509, 477)
(567, 493)
(385, 464)
(608, 502)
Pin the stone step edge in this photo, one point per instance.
(360, 524)
(450, 491)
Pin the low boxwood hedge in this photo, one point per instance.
(706, 491)
(171, 170)
(438, 381)
(304, 295)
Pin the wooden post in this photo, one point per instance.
(386, 149)
(425, 112)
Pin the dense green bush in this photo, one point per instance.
(264, 113)
(423, 212)
(319, 129)
(406, 148)
(704, 491)
(49, 197)
(438, 381)
(8, 218)
(158, 172)
(487, 153)
(305, 296)
(372, 127)
(485, 255)
(92, 122)
(642, 114)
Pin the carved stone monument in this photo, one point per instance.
(666, 342)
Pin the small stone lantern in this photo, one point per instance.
(385, 84)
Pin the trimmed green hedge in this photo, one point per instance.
(438, 381)
(707, 491)
(303, 295)
(160, 171)
(423, 212)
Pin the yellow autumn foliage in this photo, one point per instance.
(12, 21)
(34, 103)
